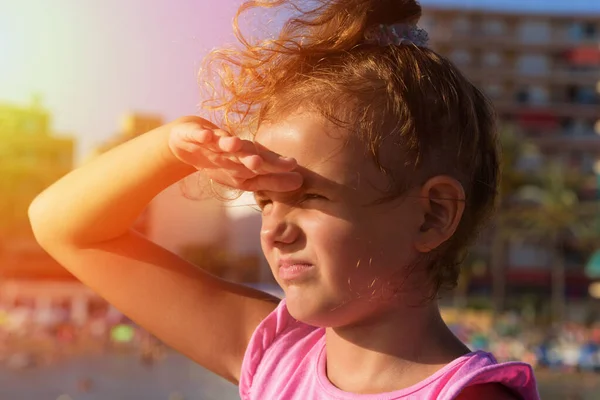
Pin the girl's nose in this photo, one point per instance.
(279, 231)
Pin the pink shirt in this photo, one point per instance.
(285, 360)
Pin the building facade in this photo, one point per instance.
(183, 221)
(542, 72)
(131, 126)
(32, 157)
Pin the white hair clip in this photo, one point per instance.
(396, 34)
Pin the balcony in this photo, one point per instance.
(476, 39)
(486, 75)
(552, 141)
(557, 109)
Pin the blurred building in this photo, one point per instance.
(194, 227)
(541, 70)
(32, 157)
(41, 296)
(132, 125)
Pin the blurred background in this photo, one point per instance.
(79, 77)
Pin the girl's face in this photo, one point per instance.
(338, 257)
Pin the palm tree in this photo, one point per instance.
(550, 212)
(515, 148)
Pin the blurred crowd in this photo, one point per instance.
(29, 335)
(565, 347)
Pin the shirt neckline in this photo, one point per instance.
(330, 389)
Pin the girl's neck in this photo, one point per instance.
(397, 350)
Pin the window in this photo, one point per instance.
(578, 127)
(589, 30)
(582, 94)
(586, 95)
(528, 255)
(530, 160)
(538, 95)
(587, 162)
(522, 96)
(460, 57)
(583, 30)
(575, 31)
(534, 32)
(533, 64)
(494, 91)
(494, 27)
(462, 25)
(491, 59)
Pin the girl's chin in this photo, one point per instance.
(308, 308)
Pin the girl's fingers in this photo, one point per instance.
(229, 144)
(277, 182)
(219, 148)
(216, 140)
(269, 162)
(274, 162)
(253, 162)
(235, 170)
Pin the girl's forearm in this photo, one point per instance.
(102, 199)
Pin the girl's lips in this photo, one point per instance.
(294, 270)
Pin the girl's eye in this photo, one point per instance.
(313, 196)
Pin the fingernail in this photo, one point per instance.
(288, 159)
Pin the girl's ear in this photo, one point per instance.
(443, 202)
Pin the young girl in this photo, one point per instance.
(374, 162)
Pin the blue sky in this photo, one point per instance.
(554, 6)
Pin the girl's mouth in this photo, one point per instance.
(294, 270)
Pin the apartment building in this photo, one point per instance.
(541, 70)
(32, 157)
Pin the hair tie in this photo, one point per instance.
(396, 34)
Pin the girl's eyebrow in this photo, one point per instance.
(314, 180)
(309, 184)
(311, 181)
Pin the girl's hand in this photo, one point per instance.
(231, 161)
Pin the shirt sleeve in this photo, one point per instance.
(516, 376)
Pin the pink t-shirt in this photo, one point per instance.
(285, 360)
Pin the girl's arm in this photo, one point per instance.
(84, 221)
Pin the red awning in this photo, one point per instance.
(584, 56)
(538, 119)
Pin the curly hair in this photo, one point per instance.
(405, 98)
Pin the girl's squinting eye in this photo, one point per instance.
(264, 203)
(312, 196)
